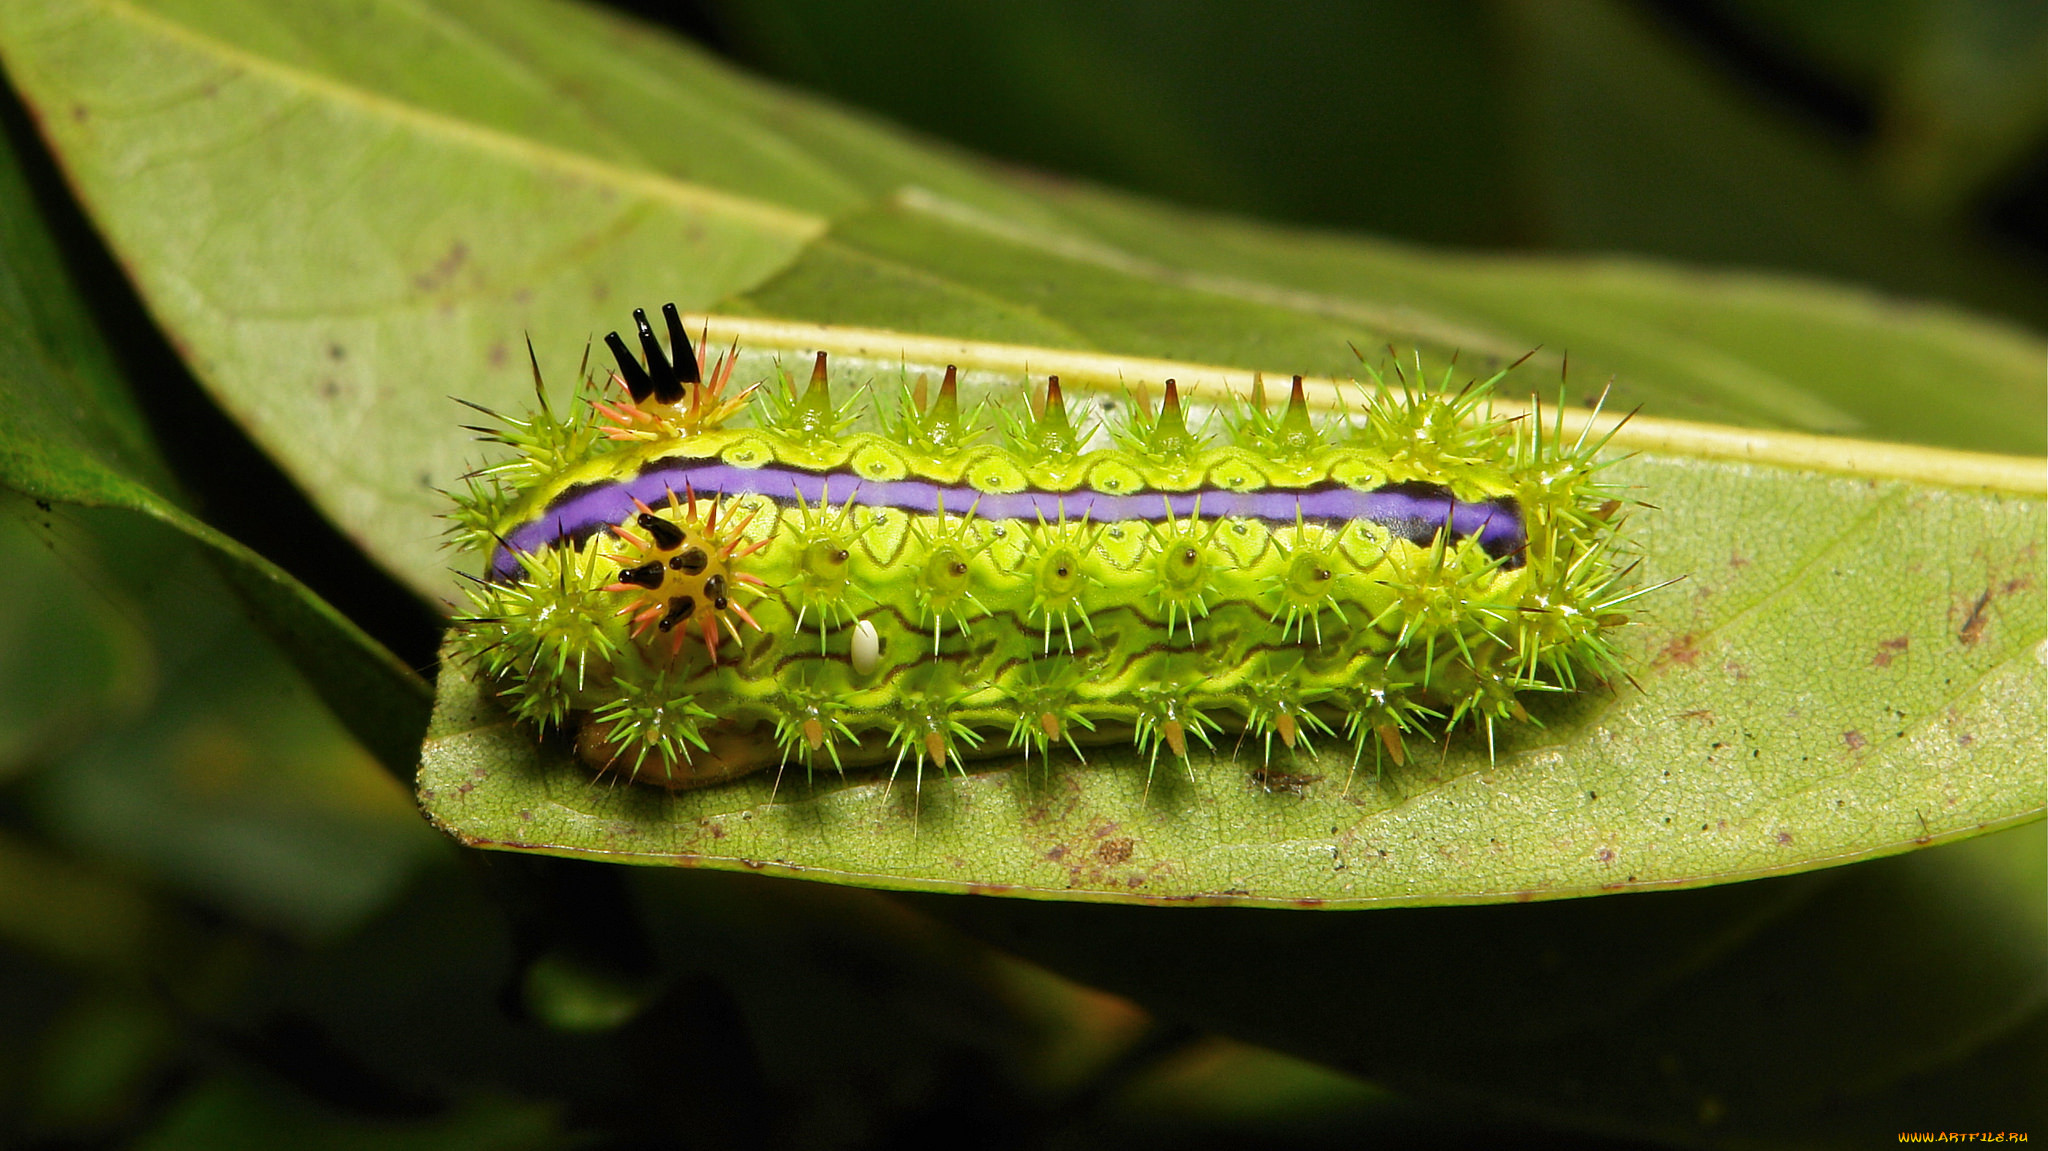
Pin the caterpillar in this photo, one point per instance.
(698, 583)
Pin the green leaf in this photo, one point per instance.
(70, 432)
(233, 784)
(242, 1111)
(1849, 667)
(344, 217)
(71, 657)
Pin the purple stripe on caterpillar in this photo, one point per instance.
(1413, 511)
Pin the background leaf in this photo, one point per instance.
(71, 432)
(1826, 1010)
(1898, 142)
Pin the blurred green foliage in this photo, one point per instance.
(222, 926)
(1901, 143)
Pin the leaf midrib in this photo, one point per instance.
(1864, 459)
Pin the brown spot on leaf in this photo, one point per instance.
(444, 269)
(1973, 627)
(1289, 782)
(1683, 649)
(1114, 851)
(1889, 650)
(1854, 739)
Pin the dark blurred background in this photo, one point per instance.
(1897, 143)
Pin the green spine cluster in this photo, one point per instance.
(901, 638)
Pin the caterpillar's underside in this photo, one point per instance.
(698, 601)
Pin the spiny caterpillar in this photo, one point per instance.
(697, 601)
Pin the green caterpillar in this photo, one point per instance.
(697, 601)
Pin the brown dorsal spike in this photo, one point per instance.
(1054, 433)
(942, 422)
(919, 396)
(813, 415)
(686, 366)
(1170, 432)
(1258, 391)
(818, 397)
(935, 746)
(1297, 431)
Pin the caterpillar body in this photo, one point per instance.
(697, 600)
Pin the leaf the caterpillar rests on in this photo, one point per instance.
(698, 600)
